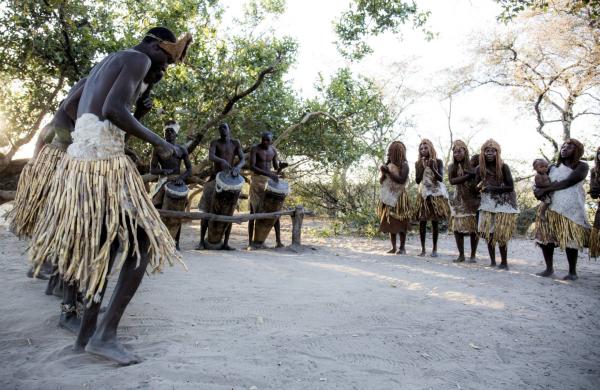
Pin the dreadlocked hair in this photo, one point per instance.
(432, 153)
(579, 150)
(459, 167)
(490, 143)
(397, 152)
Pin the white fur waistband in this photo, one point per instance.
(95, 139)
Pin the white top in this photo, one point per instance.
(431, 187)
(570, 202)
(94, 139)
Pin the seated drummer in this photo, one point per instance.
(169, 169)
(262, 157)
(222, 153)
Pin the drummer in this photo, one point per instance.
(169, 170)
(222, 153)
(262, 157)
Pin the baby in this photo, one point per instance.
(542, 180)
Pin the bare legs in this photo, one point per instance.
(548, 252)
(277, 227)
(203, 229)
(435, 233)
(393, 242)
(474, 242)
(401, 250)
(503, 253)
(102, 340)
(460, 244)
(68, 309)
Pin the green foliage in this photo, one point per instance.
(373, 17)
(46, 45)
(589, 9)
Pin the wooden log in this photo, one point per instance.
(226, 218)
(297, 219)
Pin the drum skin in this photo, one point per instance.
(262, 227)
(173, 203)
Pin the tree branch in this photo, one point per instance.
(197, 135)
(302, 121)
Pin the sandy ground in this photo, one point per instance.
(341, 315)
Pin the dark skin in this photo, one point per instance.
(490, 155)
(438, 171)
(400, 179)
(222, 153)
(58, 132)
(454, 179)
(580, 171)
(172, 165)
(262, 157)
(110, 90)
(594, 188)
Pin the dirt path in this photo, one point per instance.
(341, 316)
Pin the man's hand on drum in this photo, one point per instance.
(179, 181)
(274, 177)
(235, 171)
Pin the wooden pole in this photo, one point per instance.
(297, 219)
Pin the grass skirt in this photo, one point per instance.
(395, 219)
(564, 232)
(92, 203)
(434, 208)
(497, 227)
(463, 224)
(32, 190)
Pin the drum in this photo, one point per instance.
(175, 199)
(225, 199)
(275, 194)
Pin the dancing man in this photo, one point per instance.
(100, 216)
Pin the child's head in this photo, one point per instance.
(475, 160)
(540, 165)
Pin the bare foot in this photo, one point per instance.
(401, 251)
(254, 247)
(546, 274)
(472, 259)
(279, 245)
(434, 254)
(571, 277)
(492, 264)
(503, 266)
(111, 350)
(393, 250)
(422, 254)
(70, 322)
(459, 259)
(201, 246)
(226, 247)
